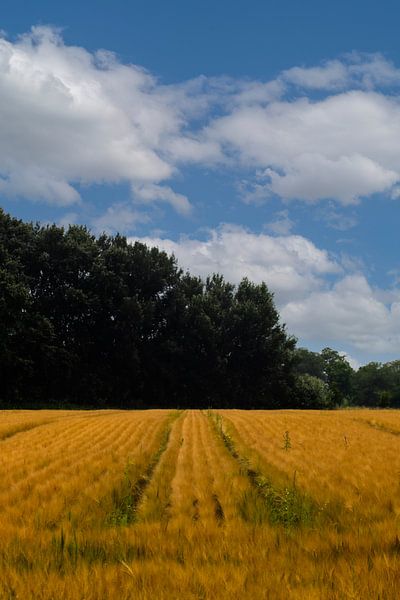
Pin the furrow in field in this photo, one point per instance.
(58, 462)
(185, 491)
(93, 464)
(388, 417)
(379, 425)
(280, 504)
(20, 428)
(330, 454)
(197, 482)
(228, 484)
(13, 422)
(155, 505)
(136, 481)
(93, 474)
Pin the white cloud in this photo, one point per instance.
(339, 220)
(69, 218)
(343, 147)
(36, 185)
(350, 312)
(353, 362)
(71, 117)
(332, 75)
(354, 70)
(68, 116)
(118, 218)
(151, 192)
(282, 224)
(315, 177)
(291, 265)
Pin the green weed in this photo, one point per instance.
(282, 505)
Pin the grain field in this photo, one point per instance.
(203, 505)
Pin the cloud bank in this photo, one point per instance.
(292, 265)
(71, 118)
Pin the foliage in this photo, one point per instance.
(312, 392)
(103, 322)
(307, 362)
(374, 384)
(377, 384)
(100, 322)
(324, 379)
(338, 375)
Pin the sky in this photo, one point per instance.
(256, 139)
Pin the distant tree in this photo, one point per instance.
(312, 393)
(132, 285)
(76, 313)
(368, 383)
(391, 372)
(259, 353)
(331, 368)
(339, 375)
(377, 384)
(307, 362)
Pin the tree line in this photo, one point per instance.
(98, 322)
(328, 379)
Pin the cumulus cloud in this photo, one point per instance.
(282, 224)
(332, 75)
(151, 193)
(351, 311)
(354, 70)
(118, 218)
(314, 177)
(70, 117)
(353, 362)
(36, 185)
(291, 265)
(342, 147)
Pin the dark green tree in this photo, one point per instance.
(102, 322)
(312, 393)
(377, 384)
(339, 376)
(260, 355)
(307, 362)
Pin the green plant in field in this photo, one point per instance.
(287, 443)
(127, 497)
(285, 506)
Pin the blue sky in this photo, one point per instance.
(257, 139)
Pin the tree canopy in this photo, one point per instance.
(102, 322)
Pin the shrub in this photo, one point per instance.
(312, 392)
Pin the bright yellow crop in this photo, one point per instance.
(160, 505)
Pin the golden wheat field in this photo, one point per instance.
(203, 505)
